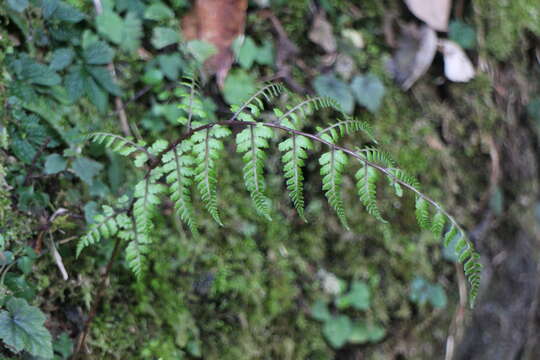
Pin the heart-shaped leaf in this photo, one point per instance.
(368, 90)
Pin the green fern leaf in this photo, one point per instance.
(255, 103)
(377, 156)
(450, 235)
(294, 155)
(422, 213)
(366, 183)
(178, 169)
(206, 147)
(251, 141)
(304, 108)
(437, 224)
(332, 165)
(146, 199)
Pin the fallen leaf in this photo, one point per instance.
(354, 36)
(217, 22)
(435, 13)
(321, 33)
(415, 53)
(457, 66)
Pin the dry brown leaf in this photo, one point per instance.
(457, 66)
(435, 13)
(218, 22)
(321, 33)
(415, 53)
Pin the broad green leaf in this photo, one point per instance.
(24, 264)
(21, 328)
(131, 33)
(61, 58)
(163, 36)
(422, 291)
(63, 345)
(152, 77)
(67, 13)
(96, 95)
(86, 169)
(104, 78)
(158, 11)
(320, 312)
(368, 91)
(358, 297)
(247, 53)
(265, 54)
(55, 163)
(36, 73)
(238, 87)
(329, 85)
(17, 5)
(110, 25)
(48, 7)
(201, 50)
(170, 65)
(75, 83)
(98, 53)
(337, 331)
(462, 33)
(363, 332)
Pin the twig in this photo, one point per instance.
(100, 292)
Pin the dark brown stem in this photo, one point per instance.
(100, 292)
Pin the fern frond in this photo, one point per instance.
(332, 164)
(366, 183)
(255, 103)
(422, 213)
(294, 149)
(206, 147)
(437, 224)
(116, 143)
(251, 141)
(450, 235)
(404, 178)
(349, 126)
(178, 171)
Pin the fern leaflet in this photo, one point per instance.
(116, 143)
(294, 149)
(422, 213)
(437, 224)
(206, 147)
(332, 164)
(104, 226)
(366, 183)
(177, 167)
(251, 142)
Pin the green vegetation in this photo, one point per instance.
(250, 222)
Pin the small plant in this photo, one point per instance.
(338, 328)
(190, 161)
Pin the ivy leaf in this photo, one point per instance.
(162, 37)
(368, 91)
(18, 5)
(158, 12)
(462, 33)
(320, 311)
(86, 169)
(61, 58)
(239, 85)
(170, 65)
(55, 163)
(21, 328)
(359, 297)
(337, 330)
(98, 53)
(201, 50)
(329, 85)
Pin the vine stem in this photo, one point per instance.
(100, 292)
(233, 123)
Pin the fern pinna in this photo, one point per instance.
(190, 161)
